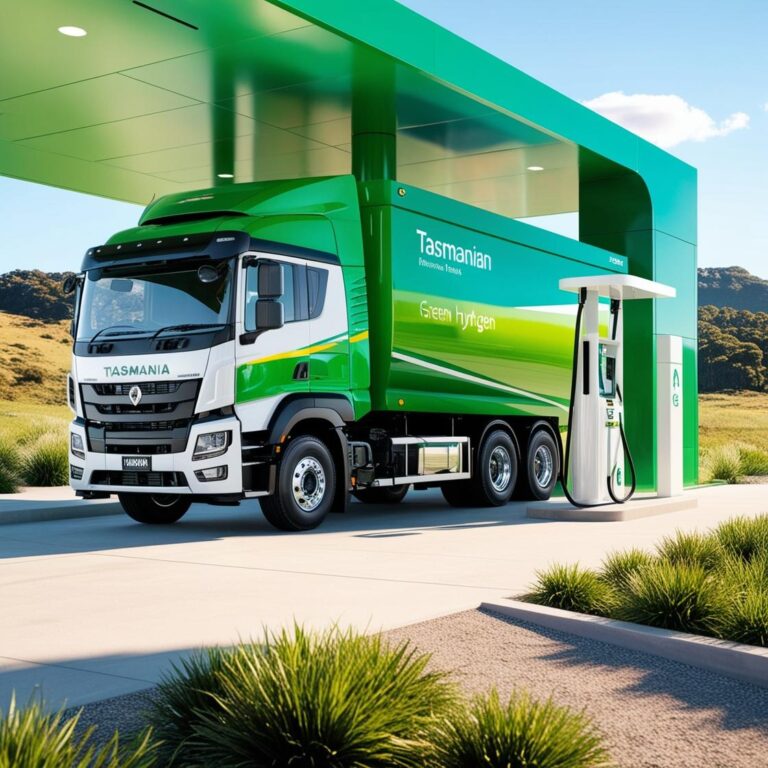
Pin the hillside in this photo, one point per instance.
(34, 359)
(34, 293)
(732, 287)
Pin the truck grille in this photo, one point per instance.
(139, 479)
(158, 423)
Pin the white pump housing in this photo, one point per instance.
(597, 454)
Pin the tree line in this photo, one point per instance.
(733, 349)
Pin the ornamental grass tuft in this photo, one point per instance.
(723, 462)
(190, 691)
(694, 548)
(31, 737)
(745, 617)
(10, 465)
(618, 567)
(332, 700)
(523, 733)
(744, 537)
(674, 595)
(571, 588)
(45, 462)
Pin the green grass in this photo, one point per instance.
(31, 737)
(713, 583)
(192, 689)
(10, 466)
(571, 588)
(745, 620)
(523, 733)
(674, 595)
(33, 445)
(753, 461)
(619, 567)
(733, 435)
(744, 537)
(698, 549)
(46, 461)
(332, 700)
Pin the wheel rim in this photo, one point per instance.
(543, 466)
(500, 468)
(164, 500)
(308, 484)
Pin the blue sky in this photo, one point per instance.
(708, 59)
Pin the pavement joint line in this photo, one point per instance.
(298, 573)
(72, 668)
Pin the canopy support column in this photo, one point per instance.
(374, 118)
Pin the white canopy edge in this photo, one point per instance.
(623, 287)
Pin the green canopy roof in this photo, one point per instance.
(164, 96)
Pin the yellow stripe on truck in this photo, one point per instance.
(298, 352)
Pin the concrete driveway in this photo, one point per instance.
(98, 607)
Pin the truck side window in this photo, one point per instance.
(317, 282)
(289, 299)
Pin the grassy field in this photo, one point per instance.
(34, 359)
(734, 418)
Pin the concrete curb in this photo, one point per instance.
(42, 511)
(736, 660)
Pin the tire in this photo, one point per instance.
(154, 509)
(541, 470)
(392, 494)
(306, 485)
(494, 477)
(496, 470)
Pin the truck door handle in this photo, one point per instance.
(301, 371)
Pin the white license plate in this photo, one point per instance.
(137, 463)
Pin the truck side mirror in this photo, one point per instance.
(270, 280)
(70, 284)
(269, 314)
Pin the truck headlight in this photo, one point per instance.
(76, 445)
(210, 445)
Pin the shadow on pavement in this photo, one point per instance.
(420, 512)
(734, 704)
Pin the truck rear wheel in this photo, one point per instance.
(496, 469)
(494, 476)
(306, 484)
(541, 470)
(154, 509)
(392, 494)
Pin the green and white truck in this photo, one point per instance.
(301, 341)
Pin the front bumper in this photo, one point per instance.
(96, 465)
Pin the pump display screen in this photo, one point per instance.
(607, 371)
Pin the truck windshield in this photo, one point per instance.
(142, 300)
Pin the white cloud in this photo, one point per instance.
(666, 120)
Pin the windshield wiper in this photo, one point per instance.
(114, 327)
(187, 327)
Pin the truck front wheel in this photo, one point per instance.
(154, 509)
(306, 484)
